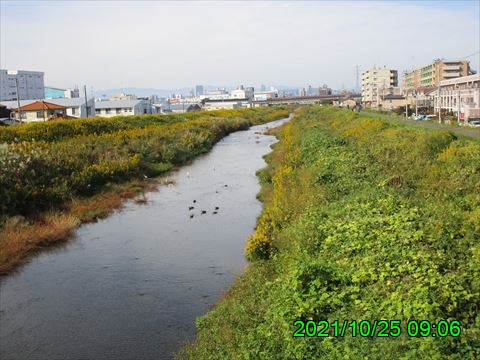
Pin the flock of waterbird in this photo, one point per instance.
(202, 212)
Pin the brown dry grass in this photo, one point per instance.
(20, 238)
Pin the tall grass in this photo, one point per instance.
(44, 165)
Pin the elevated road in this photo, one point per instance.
(304, 100)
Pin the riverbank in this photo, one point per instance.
(363, 219)
(77, 171)
(431, 124)
(131, 285)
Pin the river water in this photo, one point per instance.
(130, 286)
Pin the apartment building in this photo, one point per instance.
(375, 82)
(432, 74)
(460, 96)
(30, 85)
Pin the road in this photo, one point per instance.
(459, 130)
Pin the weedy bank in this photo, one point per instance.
(56, 175)
(363, 219)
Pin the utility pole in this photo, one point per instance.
(357, 76)
(406, 104)
(439, 105)
(416, 103)
(18, 101)
(437, 63)
(86, 100)
(458, 105)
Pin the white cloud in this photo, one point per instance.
(174, 44)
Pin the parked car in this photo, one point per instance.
(474, 123)
(420, 117)
(429, 117)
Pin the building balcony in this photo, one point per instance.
(451, 68)
(450, 75)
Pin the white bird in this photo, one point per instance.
(188, 174)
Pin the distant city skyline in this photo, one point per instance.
(172, 45)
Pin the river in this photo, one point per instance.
(130, 286)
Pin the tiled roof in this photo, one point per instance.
(41, 105)
(67, 102)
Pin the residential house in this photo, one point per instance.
(74, 107)
(39, 111)
(392, 101)
(112, 108)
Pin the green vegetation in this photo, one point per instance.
(57, 175)
(46, 164)
(363, 219)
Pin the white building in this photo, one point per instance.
(265, 95)
(123, 96)
(218, 94)
(218, 104)
(375, 82)
(460, 96)
(112, 108)
(30, 85)
(241, 93)
(77, 107)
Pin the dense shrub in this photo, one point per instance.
(45, 164)
(363, 220)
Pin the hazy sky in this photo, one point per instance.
(169, 45)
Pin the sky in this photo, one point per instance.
(169, 45)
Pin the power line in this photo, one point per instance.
(466, 57)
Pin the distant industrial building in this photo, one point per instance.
(217, 94)
(30, 85)
(55, 93)
(242, 93)
(265, 95)
(375, 82)
(230, 103)
(431, 75)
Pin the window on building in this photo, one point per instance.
(39, 114)
(119, 111)
(74, 110)
(108, 111)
